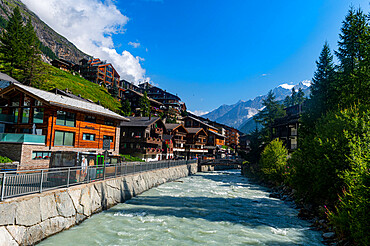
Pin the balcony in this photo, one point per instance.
(158, 130)
(21, 138)
(153, 140)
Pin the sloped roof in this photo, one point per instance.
(140, 121)
(5, 77)
(64, 101)
(141, 95)
(202, 122)
(195, 130)
(171, 127)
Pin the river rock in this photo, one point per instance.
(5, 238)
(28, 212)
(7, 213)
(48, 207)
(328, 235)
(64, 204)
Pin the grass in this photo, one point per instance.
(56, 78)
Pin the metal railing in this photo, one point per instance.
(18, 183)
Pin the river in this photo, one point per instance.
(215, 208)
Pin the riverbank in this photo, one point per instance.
(314, 215)
(29, 219)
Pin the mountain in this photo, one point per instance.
(53, 45)
(239, 115)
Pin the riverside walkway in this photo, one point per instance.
(18, 183)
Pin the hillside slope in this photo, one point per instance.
(58, 44)
(56, 78)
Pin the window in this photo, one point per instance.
(41, 154)
(64, 138)
(89, 118)
(108, 137)
(25, 115)
(66, 118)
(108, 123)
(88, 137)
(38, 115)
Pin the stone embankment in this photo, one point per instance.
(29, 219)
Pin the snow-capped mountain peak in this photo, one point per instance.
(286, 86)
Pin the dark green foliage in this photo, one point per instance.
(274, 161)
(288, 101)
(115, 90)
(353, 55)
(126, 108)
(323, 156)
(273, 110)
(3, 22)
(300, 96)
(295, 98)
(47, 51)
(20, 56)
(323, 91)
(129, 158)
(12, 46)
(144, 105)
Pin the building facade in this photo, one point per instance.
(142, 137)
(34, 123)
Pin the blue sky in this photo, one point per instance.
(212, 52)
(218, 52)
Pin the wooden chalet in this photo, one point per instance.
(196, 140)
(286, 128)
(214, 137)
(168, 99)
(179, 134)
(63, 64)
(134, 98)
(34, 123)
(142, 137)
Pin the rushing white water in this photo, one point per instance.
(217, 208)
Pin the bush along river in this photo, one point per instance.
(215, 208)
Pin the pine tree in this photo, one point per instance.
(288, 101)
(115, 90)
(12, 45)
(300, 96)
(294, 98)
(272, 110)
(20, 55)
(145, 105)
(126, 108)
(353, 49)
(323, 91)
(32, 67)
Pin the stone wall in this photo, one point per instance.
(29, 219)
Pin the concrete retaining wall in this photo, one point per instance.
(29, 219)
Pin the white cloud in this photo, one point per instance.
(134, 44)
(199, 112)
(90, 24)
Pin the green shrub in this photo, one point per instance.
(130, 158)
(4, 159)
(352, 214)
(274, 161)
(332, 168)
